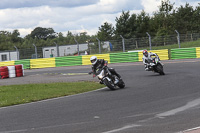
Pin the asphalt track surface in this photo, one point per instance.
(149, 103)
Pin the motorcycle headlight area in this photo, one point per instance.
(101, 75)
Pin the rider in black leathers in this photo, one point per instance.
(99, 63)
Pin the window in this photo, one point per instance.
(4, 57)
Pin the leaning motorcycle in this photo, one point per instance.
(106, 78)
(155, 65)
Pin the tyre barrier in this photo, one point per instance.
(11, 71)
(19, 70)
(4, 72)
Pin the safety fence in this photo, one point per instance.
(131, 56)
(183, 53)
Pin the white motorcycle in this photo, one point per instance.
(155, 65)
(106, 78)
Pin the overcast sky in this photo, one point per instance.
(71, 15)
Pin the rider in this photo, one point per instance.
(99, 63)
(146, 57)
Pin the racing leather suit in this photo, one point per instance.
(145, 60)
(100, 63)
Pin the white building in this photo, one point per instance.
(9, 55)
(64, 50)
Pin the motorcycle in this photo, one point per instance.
(155, 65)
(108, 79)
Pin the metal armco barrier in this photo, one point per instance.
(124, 57)
(68, 61)
(183, 53)
(42, 63)
(163, 54)
(132, 56)
(86, 58)
(25, 63)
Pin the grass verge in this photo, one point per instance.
(19, 94)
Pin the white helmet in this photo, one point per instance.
(93, 60)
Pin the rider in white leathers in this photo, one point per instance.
(146, 57)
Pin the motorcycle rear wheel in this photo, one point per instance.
(121, 84)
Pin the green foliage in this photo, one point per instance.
(106, 32)
(43, 33)
(164, 22)
(122, 25)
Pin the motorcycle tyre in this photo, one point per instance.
(160, 69)
(121, 84)
(111, 86)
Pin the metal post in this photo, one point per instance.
(57, 48)
(17, 52)
(178, 38)
(123, 43)
(136, 44)
(99, 45)
(35, 50)
(149, 40)
(77, 45)
(88, 46)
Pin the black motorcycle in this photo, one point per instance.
(106, 78)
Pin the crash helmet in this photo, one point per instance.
(145, 53)
(93, 60)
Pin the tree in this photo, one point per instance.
(43, 33)
(133, 25)
(123, 25)
(106, 32)
(143, 20)
(196, 20)
(163, 22)
(5, 41)
(183, 18)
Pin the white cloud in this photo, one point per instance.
(151, 6)
(88, 16)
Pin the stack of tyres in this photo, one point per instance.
(4, 72)
(19, 70)
(11, 71)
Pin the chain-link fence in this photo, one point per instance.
(101, 47)
(136, 43)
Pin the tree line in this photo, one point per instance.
(185, 19)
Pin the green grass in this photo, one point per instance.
(19, 94)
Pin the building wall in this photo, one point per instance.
(8, 56)
(49, 52)
(63, 50)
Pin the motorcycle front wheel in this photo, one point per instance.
(109, 84)
(160, 69)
